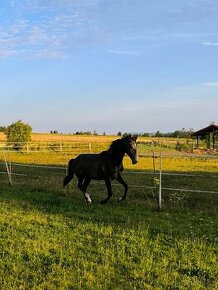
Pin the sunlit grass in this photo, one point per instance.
(178, 163)
(52, 241)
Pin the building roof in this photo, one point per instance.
(213, 128)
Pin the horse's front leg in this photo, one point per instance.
(109, 191)
(120, 179)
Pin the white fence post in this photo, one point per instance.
(8, 170)
(160, 181)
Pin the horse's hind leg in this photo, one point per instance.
(120, 179)
(84, 188)
(109, 191)
(80, 182)
(68, 178)
(82, 185)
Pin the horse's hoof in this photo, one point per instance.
(87, 197)
(88, 201)
(121, 199)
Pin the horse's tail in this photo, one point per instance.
(70, 173)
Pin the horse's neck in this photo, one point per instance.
(117, 157)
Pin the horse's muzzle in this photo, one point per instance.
(134, 160)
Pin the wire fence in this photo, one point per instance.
(168, 172)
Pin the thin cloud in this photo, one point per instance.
(59, 25)
(123, 52)
(40, 5)
(211, 84)
(51, 35)
(210, 43)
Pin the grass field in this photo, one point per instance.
(51, 239)
(96, 139)
(44, 137)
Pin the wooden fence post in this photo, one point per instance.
(90, 147)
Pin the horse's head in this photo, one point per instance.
(130, 147)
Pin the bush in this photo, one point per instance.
(18, 133)
(187, 147)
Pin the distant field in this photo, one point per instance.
(39, 137)
(89, 143)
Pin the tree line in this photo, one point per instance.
(183, 133)
(20, 132)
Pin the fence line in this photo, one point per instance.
(38, 166)
(44, 146)
(138, 186)
(18, 174)
(164, 155)
(130, 185)
(164, 188)
(189, 190)
(126, 172)
(86, 146)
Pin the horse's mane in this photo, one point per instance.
(116, 144)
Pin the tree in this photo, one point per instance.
(145, 135)
(158, 134)
(2, 129)
(119, 133)
(17, 133)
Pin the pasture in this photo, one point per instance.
(51, 239)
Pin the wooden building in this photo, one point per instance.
(210, 132)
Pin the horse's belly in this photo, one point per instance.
(95, 172)
(90, 165)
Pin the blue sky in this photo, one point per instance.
(106, 65)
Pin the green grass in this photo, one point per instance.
(50, 238)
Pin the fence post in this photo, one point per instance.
(8, 170)
(90, 147)
(61, 148)
(160, 181)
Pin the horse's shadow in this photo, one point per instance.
(31, 199)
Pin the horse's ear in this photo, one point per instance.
(135, 137)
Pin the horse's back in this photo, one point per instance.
(90, 165)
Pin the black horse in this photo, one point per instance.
(106, 166)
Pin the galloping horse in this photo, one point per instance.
(106, 166)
